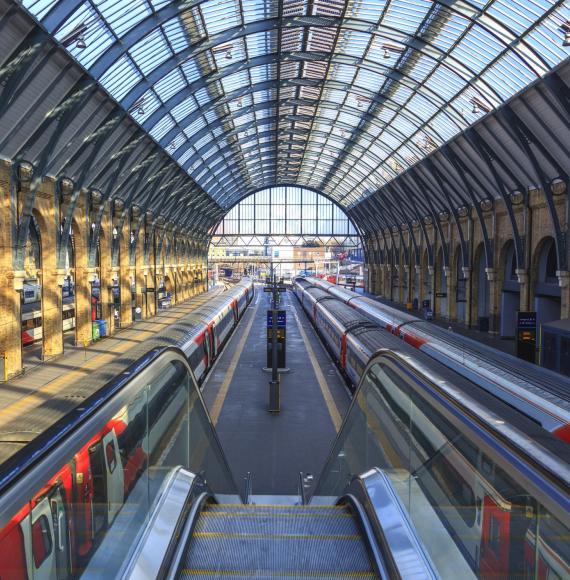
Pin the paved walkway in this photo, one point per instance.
(76, 362)
(275, 447)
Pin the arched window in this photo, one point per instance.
(286, 211)
(287, 214)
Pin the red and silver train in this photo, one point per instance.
(540, 394)
(55, 534)
(489, 518)
(473, 498)
(32, 323)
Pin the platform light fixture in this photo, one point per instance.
(137, 107)
(479, 106)
(76, 37)
(392, 48)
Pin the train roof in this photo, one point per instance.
(346, 315)
(376, 339)
(318, 293)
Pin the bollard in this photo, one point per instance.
(274, 403)
(85, 345)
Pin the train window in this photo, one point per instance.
(41, 540)
(111, 456)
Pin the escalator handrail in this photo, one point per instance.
(390, 533)
(39, 448)
(548, 475)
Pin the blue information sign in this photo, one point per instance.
(281, 319)
(526, 320)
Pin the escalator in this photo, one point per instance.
(418, 484)
(248, 541)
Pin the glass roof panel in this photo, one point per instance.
(122, 16)
(345, 89)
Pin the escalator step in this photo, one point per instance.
(285, 554)
(276, 509)
(248, 523)
(238, 542)
(260, 574)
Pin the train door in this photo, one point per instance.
(43, 544)
(114, 474)
(208, 348)
(495, 539)
(61, 533)
(99, 503)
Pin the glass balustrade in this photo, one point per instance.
(84, 508)
(476, 514)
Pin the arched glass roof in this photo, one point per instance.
(337, 96)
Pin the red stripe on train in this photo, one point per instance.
(414, 340)
(563, 433)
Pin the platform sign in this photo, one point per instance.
(526, 336)
(279, 288)
(281, 319)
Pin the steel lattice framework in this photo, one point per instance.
(338, 96)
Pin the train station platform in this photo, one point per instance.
(275, 447)
(53, 388)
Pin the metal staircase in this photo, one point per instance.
(272, 541)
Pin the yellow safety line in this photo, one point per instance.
(351, 537)
(222, 393)
(264, 515)
(280, 574)
(33, 400)
(327, 395)
(276, 506)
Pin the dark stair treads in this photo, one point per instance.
(276, 542)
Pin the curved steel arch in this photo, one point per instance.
(230, 169)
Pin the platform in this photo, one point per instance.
(275, 447)
(52, 389)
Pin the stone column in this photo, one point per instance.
(406, 298)
(140, 278)
(450, 291)
(564, 283)
(468, 291)
(83, 328)
(107, 272)
(522, 275)
(11, 283)
(52, 279)
(126, 309)
(494, 314)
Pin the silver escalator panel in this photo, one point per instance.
(249, 541)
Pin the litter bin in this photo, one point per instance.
(95, 330)
(102, 328)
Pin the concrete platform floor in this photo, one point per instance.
(275, 447)
(44, 381)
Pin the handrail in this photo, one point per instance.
(41, 446)
(397, 551)
(301, 489)
(547, 474)
(248, 487)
